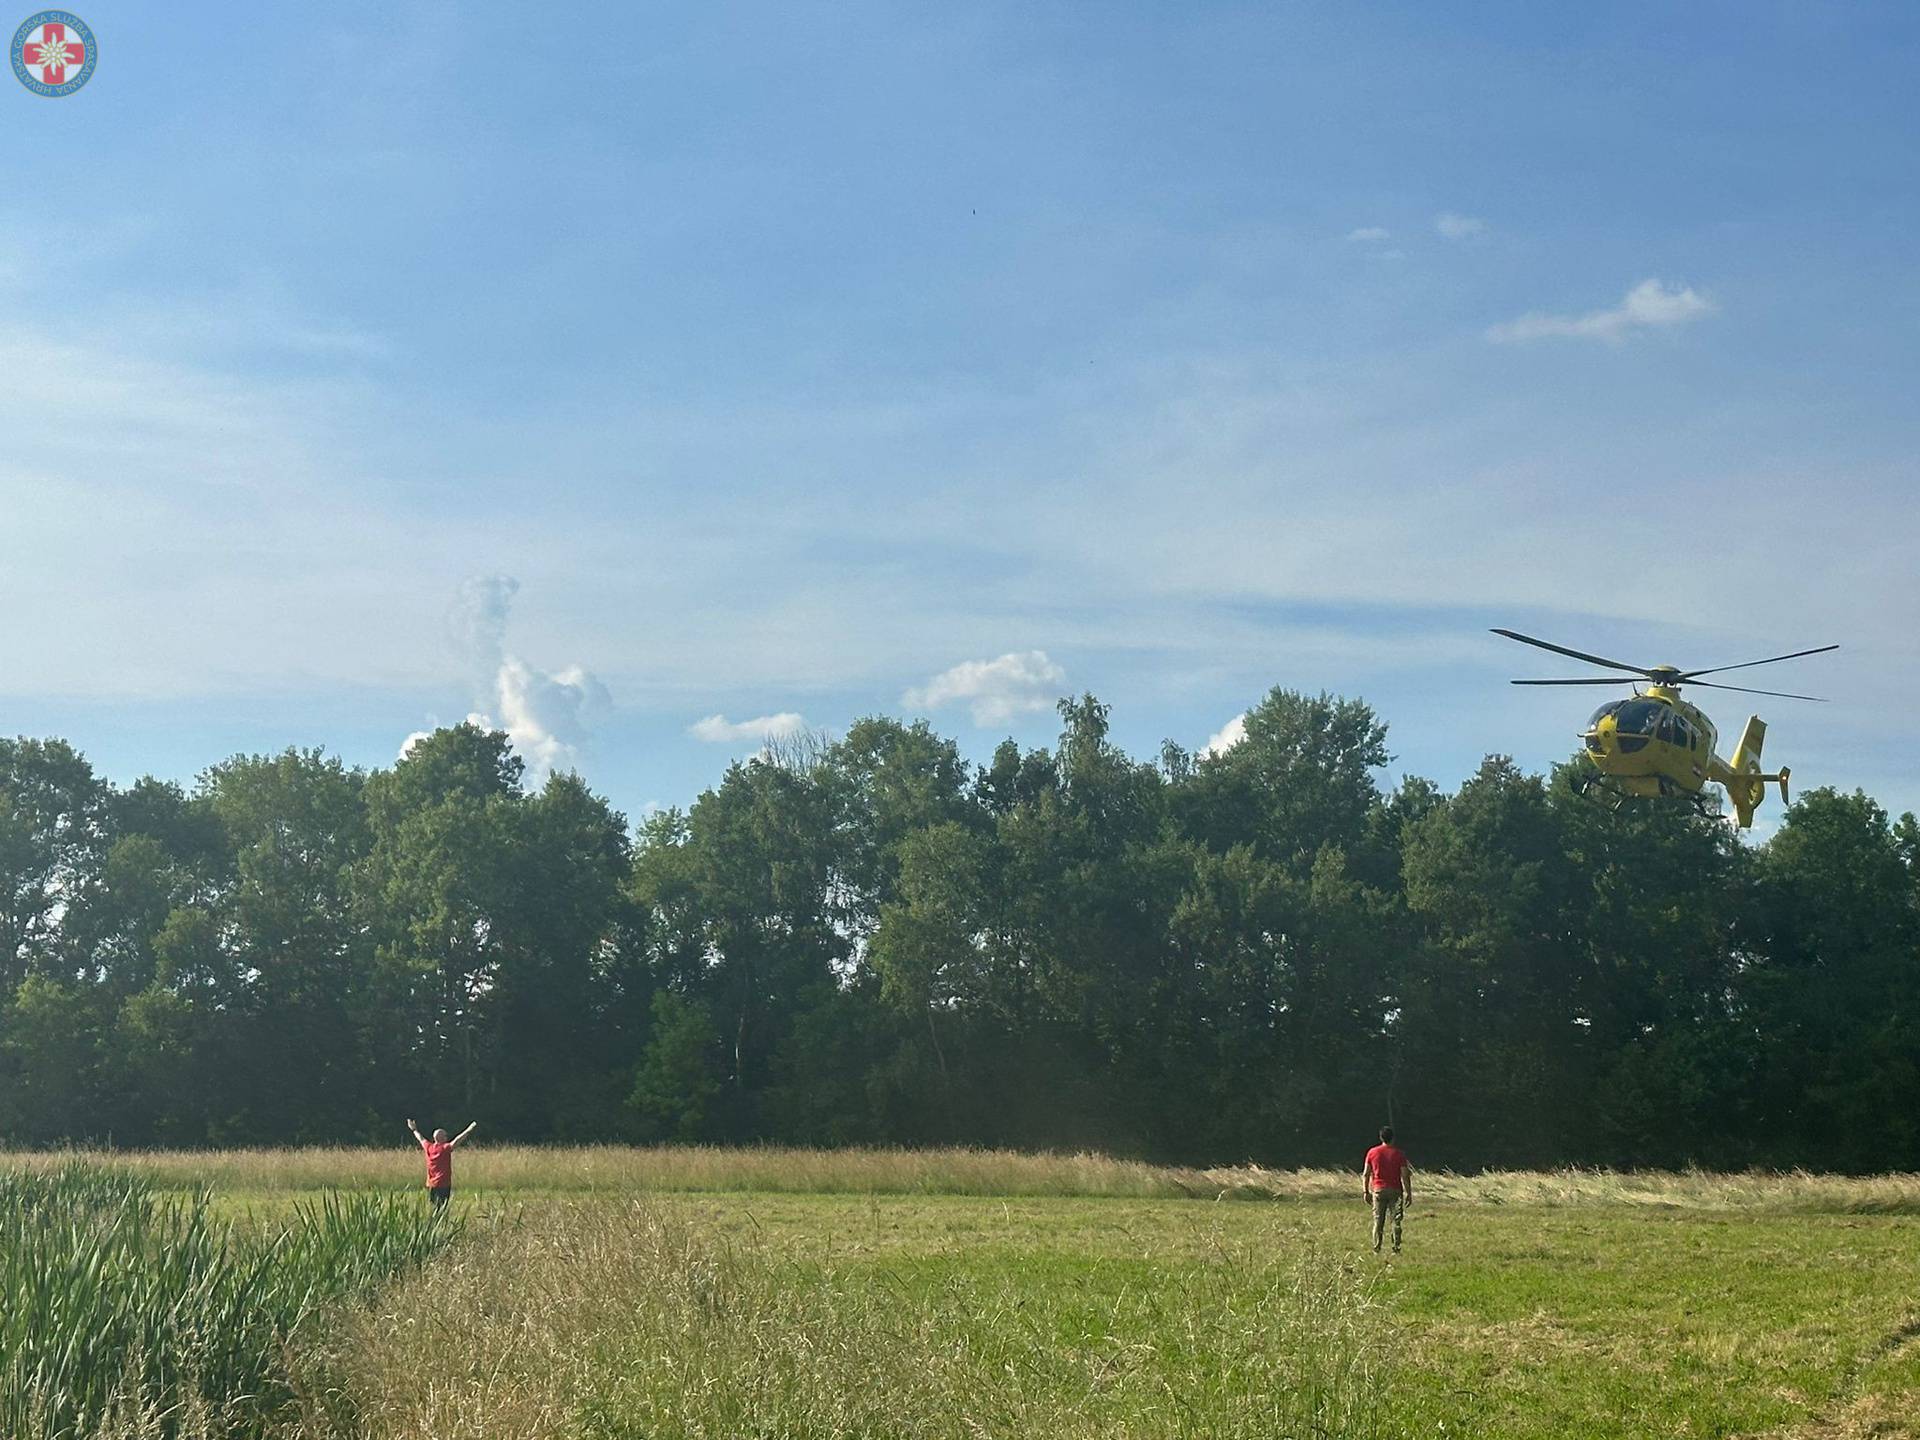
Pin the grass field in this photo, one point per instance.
(620, 1294)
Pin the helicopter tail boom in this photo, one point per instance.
(1746, 786)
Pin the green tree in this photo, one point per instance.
(1831, 993)
(1493, 1025)
(885, 782)
(761, 858)
(165, 1069)
(439, 889)
(50, 1055)
(52, 839)
(282, 944)
(559, 1059)
(933, 949)
(681, 1072)
(1657, 891)
(1300, 779)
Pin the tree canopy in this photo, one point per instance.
(1252, 954)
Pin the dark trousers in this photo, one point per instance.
(440, 1194)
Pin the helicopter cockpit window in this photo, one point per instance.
(1635, 722)
(1604, 711)
(1682, 733)
(1639, 717)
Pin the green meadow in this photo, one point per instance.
(711, 1293)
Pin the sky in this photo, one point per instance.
(649, 379)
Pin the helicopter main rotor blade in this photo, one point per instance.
(1585, 680)
(1777, 694)
(1572, 654)
(1745, 664)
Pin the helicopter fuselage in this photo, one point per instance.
(1653, 743)
(1657, 744)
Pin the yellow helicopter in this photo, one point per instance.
(1657, 744)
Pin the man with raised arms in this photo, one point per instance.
(439, 1152)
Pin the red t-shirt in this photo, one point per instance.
(1384, 1167)
(439, 1163)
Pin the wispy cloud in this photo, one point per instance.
(477, 623)
(1369, 233)
(994, 690)
(718, 730)
(1458, 227)
(1649, 305)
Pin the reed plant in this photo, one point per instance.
(126, 1309)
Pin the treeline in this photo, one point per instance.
(1257, 954)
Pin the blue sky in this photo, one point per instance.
(609, 369)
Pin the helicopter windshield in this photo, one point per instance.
(1635, 722)
(1638, 717)
(1633, 717)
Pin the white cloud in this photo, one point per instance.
(718, 730)
(547, 715)
(1648, 305)
(1367, 233)
(1227, 736)
(995, 690)
(1459, 227)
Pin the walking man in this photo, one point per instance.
(440, 1161)
(1387, 1181)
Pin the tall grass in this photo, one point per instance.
(1796, 1192)
(624, 1168)
(119, 1304)
(617, 1321)
(620, 1169)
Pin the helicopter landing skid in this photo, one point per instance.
(1592, 785)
